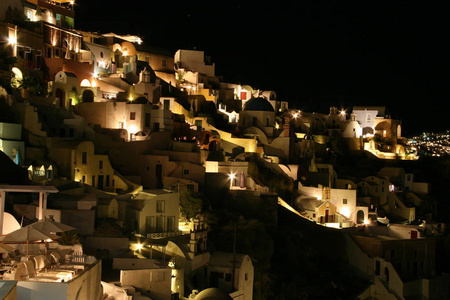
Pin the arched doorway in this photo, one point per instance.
(88, 96)
(59, 94)
(360, 217)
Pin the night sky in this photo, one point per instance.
(311, 53)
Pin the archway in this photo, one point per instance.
(360, 217)
(88, 96)
(59, 94)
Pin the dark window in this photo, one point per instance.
(171, 224)
(132, 116)
(186, 171)
(147, 120)
(166, 104)
(100, 164)
(344, 201)
(160, 206)
(93, 180)
(107, 180)
(84, 158)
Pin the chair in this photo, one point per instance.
(44, 266)
(32, 275)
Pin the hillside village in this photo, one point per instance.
(174, 184)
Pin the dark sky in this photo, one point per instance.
(311, 53)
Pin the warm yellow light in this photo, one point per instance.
(366, 222)
(12, 40)
(345, 211)
(295, 116)
(130, 98)
(132, 129)
(232, 176)
(49, 240)
(139, 246)
(342, 112)
(125, 53)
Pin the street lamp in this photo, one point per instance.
(232, 176)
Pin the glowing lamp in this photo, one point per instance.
(12, 40)
(366, 222)
(132, 129)
(139, 246)
(345, 212)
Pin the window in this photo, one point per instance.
(107, 180)
(149, 224)
(166, 104)
(228, 277)
(93, 180)
(164, 63)
(186, 171)
(84, 158)
(170, 224)
(132, 116)
(100, 164)
(159, 224)
(344, 201)
(147, 120)
(49, 52)
(160, 206)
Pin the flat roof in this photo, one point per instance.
(28, 188)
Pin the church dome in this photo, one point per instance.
(212, 294)
(258, 104)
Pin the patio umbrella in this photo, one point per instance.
(26, 234)
(48, 226)
(5, 248)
